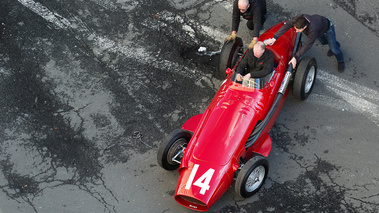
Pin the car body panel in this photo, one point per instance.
(192, 123)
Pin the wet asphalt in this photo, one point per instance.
(88, 89)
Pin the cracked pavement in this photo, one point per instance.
(89, 88)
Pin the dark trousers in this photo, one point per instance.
(330, 38)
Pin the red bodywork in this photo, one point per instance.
(219, 134)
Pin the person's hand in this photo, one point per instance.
(252, 43)
(293, 62)
(247, 76)
(239, 77)
(232, 37)
(270, 41)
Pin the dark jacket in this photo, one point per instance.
(255, 12)
(257, 67)
(317, 26)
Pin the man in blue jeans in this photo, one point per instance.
(314, 27)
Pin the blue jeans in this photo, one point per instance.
(330, 38)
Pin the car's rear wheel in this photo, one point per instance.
(229, 56)
(251, 177)
(170, 152)
(305, 77)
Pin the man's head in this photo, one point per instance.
(259, 49)
(300, 24)
(243, 5)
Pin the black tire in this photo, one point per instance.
(228, 56)
(305, 77)
(244, 185)
(169, 147)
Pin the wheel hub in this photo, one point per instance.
(175, 154)
(310, 79)
(255, 179)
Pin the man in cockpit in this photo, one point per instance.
(256, 63)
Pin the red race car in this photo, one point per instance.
(230, 141)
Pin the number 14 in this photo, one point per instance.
(202, 182)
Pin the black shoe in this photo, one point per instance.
(330, 53)
(341, 66)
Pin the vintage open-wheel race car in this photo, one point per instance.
(229, 143)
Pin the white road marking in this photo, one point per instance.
(362, 99)
(216, 34)
(166, 16)
(45, 13)
(103, 44)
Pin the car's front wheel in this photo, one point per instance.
(228, 56)
(170, 152)
(305, 77)
(252, 176)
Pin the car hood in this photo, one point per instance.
(228, 121)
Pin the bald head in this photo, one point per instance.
(259, 49)
(243, 5)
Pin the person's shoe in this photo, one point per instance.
(341, 66)
(330, 53)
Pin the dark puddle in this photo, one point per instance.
(210, 57)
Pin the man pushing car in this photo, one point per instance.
(254, 11)
(314, 27)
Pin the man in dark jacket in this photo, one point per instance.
(254, 11)
(256, 63)
(314, 27)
